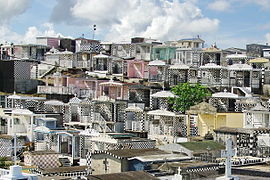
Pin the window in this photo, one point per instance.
(16, 121)
(147, 49)
(119, 93)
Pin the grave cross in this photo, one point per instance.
(228, 154)
(179, 170)
(178, 176)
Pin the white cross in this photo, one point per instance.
(179, 170)
(228, 154)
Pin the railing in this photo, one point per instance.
(54, 90)
(3, 129)
(86, 93)
(85, 119)
(156, 78)
(82, 64)
(67, 63)
(193, 80)
(211, 81)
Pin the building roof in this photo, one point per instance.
(129, 153)
(157, 63)
(211, 66)
(52, 51)
(161, 157)
(47, 119)
(130, 175)
(121, 135)
(259, 60)
(75, 100)
(236, 56)
(22, 112)
(161, 112)
(197, 39)
(179, 66)
(225, 94)
(42, 129)
(212, 49)
(63, 169)
(134, 108)
(89, 132)
(40, 152)
(54, 103)
(240, 67)
(111, 83)
(66, 52)
(259, 107)
(163, 94)
(101, 56)
(15, 96)
(249, 100)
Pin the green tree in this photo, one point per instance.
(187, 95)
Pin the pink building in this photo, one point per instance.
(49, 41)
(137, 69)
(114, 90)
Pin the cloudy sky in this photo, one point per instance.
(229, 23)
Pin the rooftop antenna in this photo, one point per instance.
(94, 29)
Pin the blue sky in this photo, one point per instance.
(230, 23)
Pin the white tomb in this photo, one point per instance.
(178, 176)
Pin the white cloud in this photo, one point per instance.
(46, 29)
(220, 5)
(12, 8)
(227, 5)
(267, 37)
(161, 19)
(265, 4)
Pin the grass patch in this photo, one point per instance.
(198, 146)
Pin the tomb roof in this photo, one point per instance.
(163, 94)
(161, 112)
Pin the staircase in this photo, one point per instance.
(138, 71)
(244, 90)
(65, 162)
(101, 122)
(47, 72)
(106, 112)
